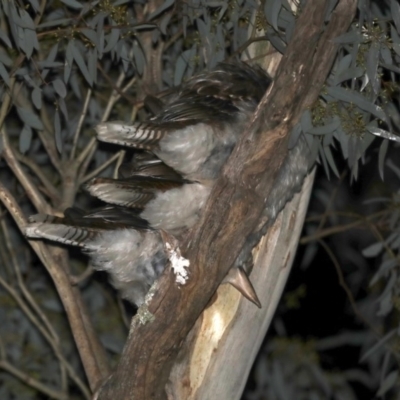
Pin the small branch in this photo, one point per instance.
(47, 138)
(51, 190)
(347, 290)
(32, 382)
(91, 149)
(116, 88)
(363, 220)
(86, 155)
(93, 362)
(335, 191)
(53, 344)
(387, 248)
(50, 335)
(116, 94)
(76, 279)
(80, 122)
(118, 163)
(102, 167)
(24, 289)
(30, 188)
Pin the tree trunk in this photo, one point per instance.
(219, 352)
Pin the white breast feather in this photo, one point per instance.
(127, 255)
(177, 209)
(187, 149)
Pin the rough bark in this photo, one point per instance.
(233, 209)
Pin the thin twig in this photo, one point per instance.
(80, 122)
(85, 157)
(86, 161)
(363, 220)
(116, 94)
(331, 200)
(102, 167)
(118, 163)
(115, 86)
(22, 286)
(51, 190)
(55, 346)
(76, 279)
(380, 238)
(32, 382)
(30, 188)
(347, 290)
(47, 138)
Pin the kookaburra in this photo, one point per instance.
(190, 139)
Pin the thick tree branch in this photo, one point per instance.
(234, 208)
(92, 354)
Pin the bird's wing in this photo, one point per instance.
(209, 97)
(184, 111)
(146, 164)
(134, 192)
(78, 228)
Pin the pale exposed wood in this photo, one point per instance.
(217, 359)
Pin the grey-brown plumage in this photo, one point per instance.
(196, 131)
(117, 241)
(194, 134)
(190, 139)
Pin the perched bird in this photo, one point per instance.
(190, 139)
(117, 241)
(196, 131)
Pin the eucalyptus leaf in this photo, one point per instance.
(30, 118)
(92, 63)
(372, 65)
(352, 37)
(395, 40)
(25, 139)
(383, 133)
(58, 22)
(35, 5)
(81, 63)
(112, 39)
(388, 383)
(373, 250)
(271, 11)
(381, 158)
(69, 58)
(73, 4)
(59, 87)
(37, 98)
(91, 35)
(5, 39)
(162, 8)
(4, 74)
(351, 96)
(395, 13)
(57, 131)
(351, 73)
(138, 55)
(378, 345)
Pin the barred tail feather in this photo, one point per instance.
(115, 192)
(139, 135)
(60, 233)
(134, 192)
